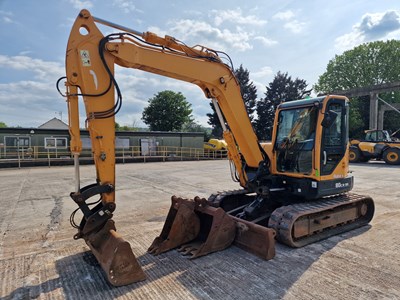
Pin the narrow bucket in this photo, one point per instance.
(115, 256)
(196, 227)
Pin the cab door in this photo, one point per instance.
(335, 137)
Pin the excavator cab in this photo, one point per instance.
(311, 146)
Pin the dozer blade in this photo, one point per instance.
(198, 228)
(115, 256)
(255, 238)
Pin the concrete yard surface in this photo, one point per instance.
(40, 260)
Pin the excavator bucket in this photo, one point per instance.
(194, 226)
(115, 256)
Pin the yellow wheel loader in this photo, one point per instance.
(377, 144)
(294, 189)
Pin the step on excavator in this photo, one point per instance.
(294, 189)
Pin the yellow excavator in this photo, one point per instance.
(294, 189)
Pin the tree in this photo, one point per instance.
(365, 65)
(193, 126)
(249, 94)
(126, 127)
(248, 90)
(213, 120)
(282, 88)
(3, 125)
(167, 111)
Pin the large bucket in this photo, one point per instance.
(194, 226)
(115, 256)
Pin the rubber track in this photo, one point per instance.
(215, 199)
(284, 218)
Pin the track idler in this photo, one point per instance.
(195, 227)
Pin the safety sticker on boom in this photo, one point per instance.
(85, 57)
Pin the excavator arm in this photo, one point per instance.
(90, 61)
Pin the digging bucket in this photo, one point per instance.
(197, 228)
(181, 226)
(115, 256)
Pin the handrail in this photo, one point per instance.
(163, 153)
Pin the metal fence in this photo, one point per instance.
(21, 155)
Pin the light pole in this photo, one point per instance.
(31, 148)
(19, 158)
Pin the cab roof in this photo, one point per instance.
(301, 102)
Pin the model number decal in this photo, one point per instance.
(339, 185)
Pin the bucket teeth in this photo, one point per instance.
(190, 249)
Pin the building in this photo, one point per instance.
(54, 124)
(42, 142)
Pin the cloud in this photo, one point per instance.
(295, 26)
(30, 102)
(6, 17)
(127, 6)
(43, 70)
(291, 23)
(230, 29)
(7, 20)
(25, 52)
(138, 87)
(263, 72)
(284, 15)
(201, 32)
(349, 40)
(378, 26)
(236, 17)
(37, 97)
(260, 79)
(81, 4)
(265, 41)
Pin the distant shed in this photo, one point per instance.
(54, 124)
(59, 139)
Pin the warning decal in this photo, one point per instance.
(85, 57)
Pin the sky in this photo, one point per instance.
(265, 36)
